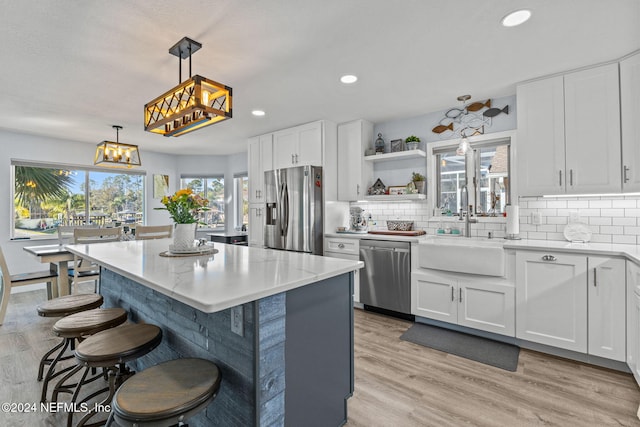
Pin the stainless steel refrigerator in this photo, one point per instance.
(294, 209)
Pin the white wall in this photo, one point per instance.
(43, 149)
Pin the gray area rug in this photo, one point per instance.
(483, 350)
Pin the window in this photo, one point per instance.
(212, 189)
(46, 196)
(241, 200)
(488, 185)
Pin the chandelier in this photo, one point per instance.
(193, 104)
(117, 154)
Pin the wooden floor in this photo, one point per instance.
(404, 384)
(397, 383)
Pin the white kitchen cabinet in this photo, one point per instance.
(345, 249)
(260, 160)
(298, 146)
(630, 111)
(540, 136)
(569, 133)
(354, 173)
(592, 130)
(551, 299)
(256, 225)
(606, 299)
(633, 319)
(481, 303)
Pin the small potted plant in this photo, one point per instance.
(419, 181)
(412, 142)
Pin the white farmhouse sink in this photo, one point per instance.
(463, 255)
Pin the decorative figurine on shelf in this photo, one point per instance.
(412, 142)
(377, 189)
(379, 144)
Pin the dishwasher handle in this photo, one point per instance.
(377, 248)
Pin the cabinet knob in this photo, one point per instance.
(549, 258)
(341, 245)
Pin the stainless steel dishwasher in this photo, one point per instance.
(385, 281)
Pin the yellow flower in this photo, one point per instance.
(184, 191)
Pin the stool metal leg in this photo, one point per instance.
(51, 372)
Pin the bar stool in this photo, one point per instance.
(166, 394)
(60, 307)
(110, 350)
(76, 327)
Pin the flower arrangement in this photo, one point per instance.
(412, 138)
(184, 206)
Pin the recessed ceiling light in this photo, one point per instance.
(516, 18)
(258, 113)
(349, 79)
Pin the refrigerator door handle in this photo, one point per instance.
(280, 210)
(285, 217)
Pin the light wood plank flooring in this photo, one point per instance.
(397, 383)
(404, 384)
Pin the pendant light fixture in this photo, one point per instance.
(463, 147)
(117, 154)
(193, 104)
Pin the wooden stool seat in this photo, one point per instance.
(118, 345)
(110, 350)
(89, 322)
(70, 304)
(167, 393)
(74, 327)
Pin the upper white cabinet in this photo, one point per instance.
(630, 112)
(354, 173)
(607, 289)
(551, 299)
(260, 160)
(569, 133)
(298, 146)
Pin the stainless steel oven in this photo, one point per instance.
(385, 281)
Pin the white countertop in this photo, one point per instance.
(631, 252)
(233, 276)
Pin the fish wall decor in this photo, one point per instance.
(465, 121)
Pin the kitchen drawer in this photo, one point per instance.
(342, 246)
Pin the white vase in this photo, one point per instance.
(184, 236)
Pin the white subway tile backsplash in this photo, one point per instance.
(632, 230)
(535, 235)
(606, 229)
(612, 212)
(577, 204)
(624, 203)
(623, 221)
(632, 213)
(557, 220)
(624, 239)
(588, 212)
(601, 238)
(600, 203)
(556, 204)
(599, 220)
(537, 204)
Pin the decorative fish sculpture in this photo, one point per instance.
(492, 112)
(442, 128)
(477, 106)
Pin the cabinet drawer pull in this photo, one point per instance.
(460, 294)
(453, 295)
(358, 189)
(341, 245)
(296, 158)
(595, 277)
(626, 177)
(549, 258)
(560, 180)
(571, 177)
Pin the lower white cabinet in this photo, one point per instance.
(633, 319)
(477, 302)
(551, 299)
(346, 249)
(570, 301)
(606, 307)
(256, 225)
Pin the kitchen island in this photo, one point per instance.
(288, 359)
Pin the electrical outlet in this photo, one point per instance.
(574, 216)
(237, 320)
(536, 218)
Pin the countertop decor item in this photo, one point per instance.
(419, 181)
(577, 232)
(117, 154)
(184, 208)
(398, 225)
(193, 104)
(377, 189)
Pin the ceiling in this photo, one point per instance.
(71, 69)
